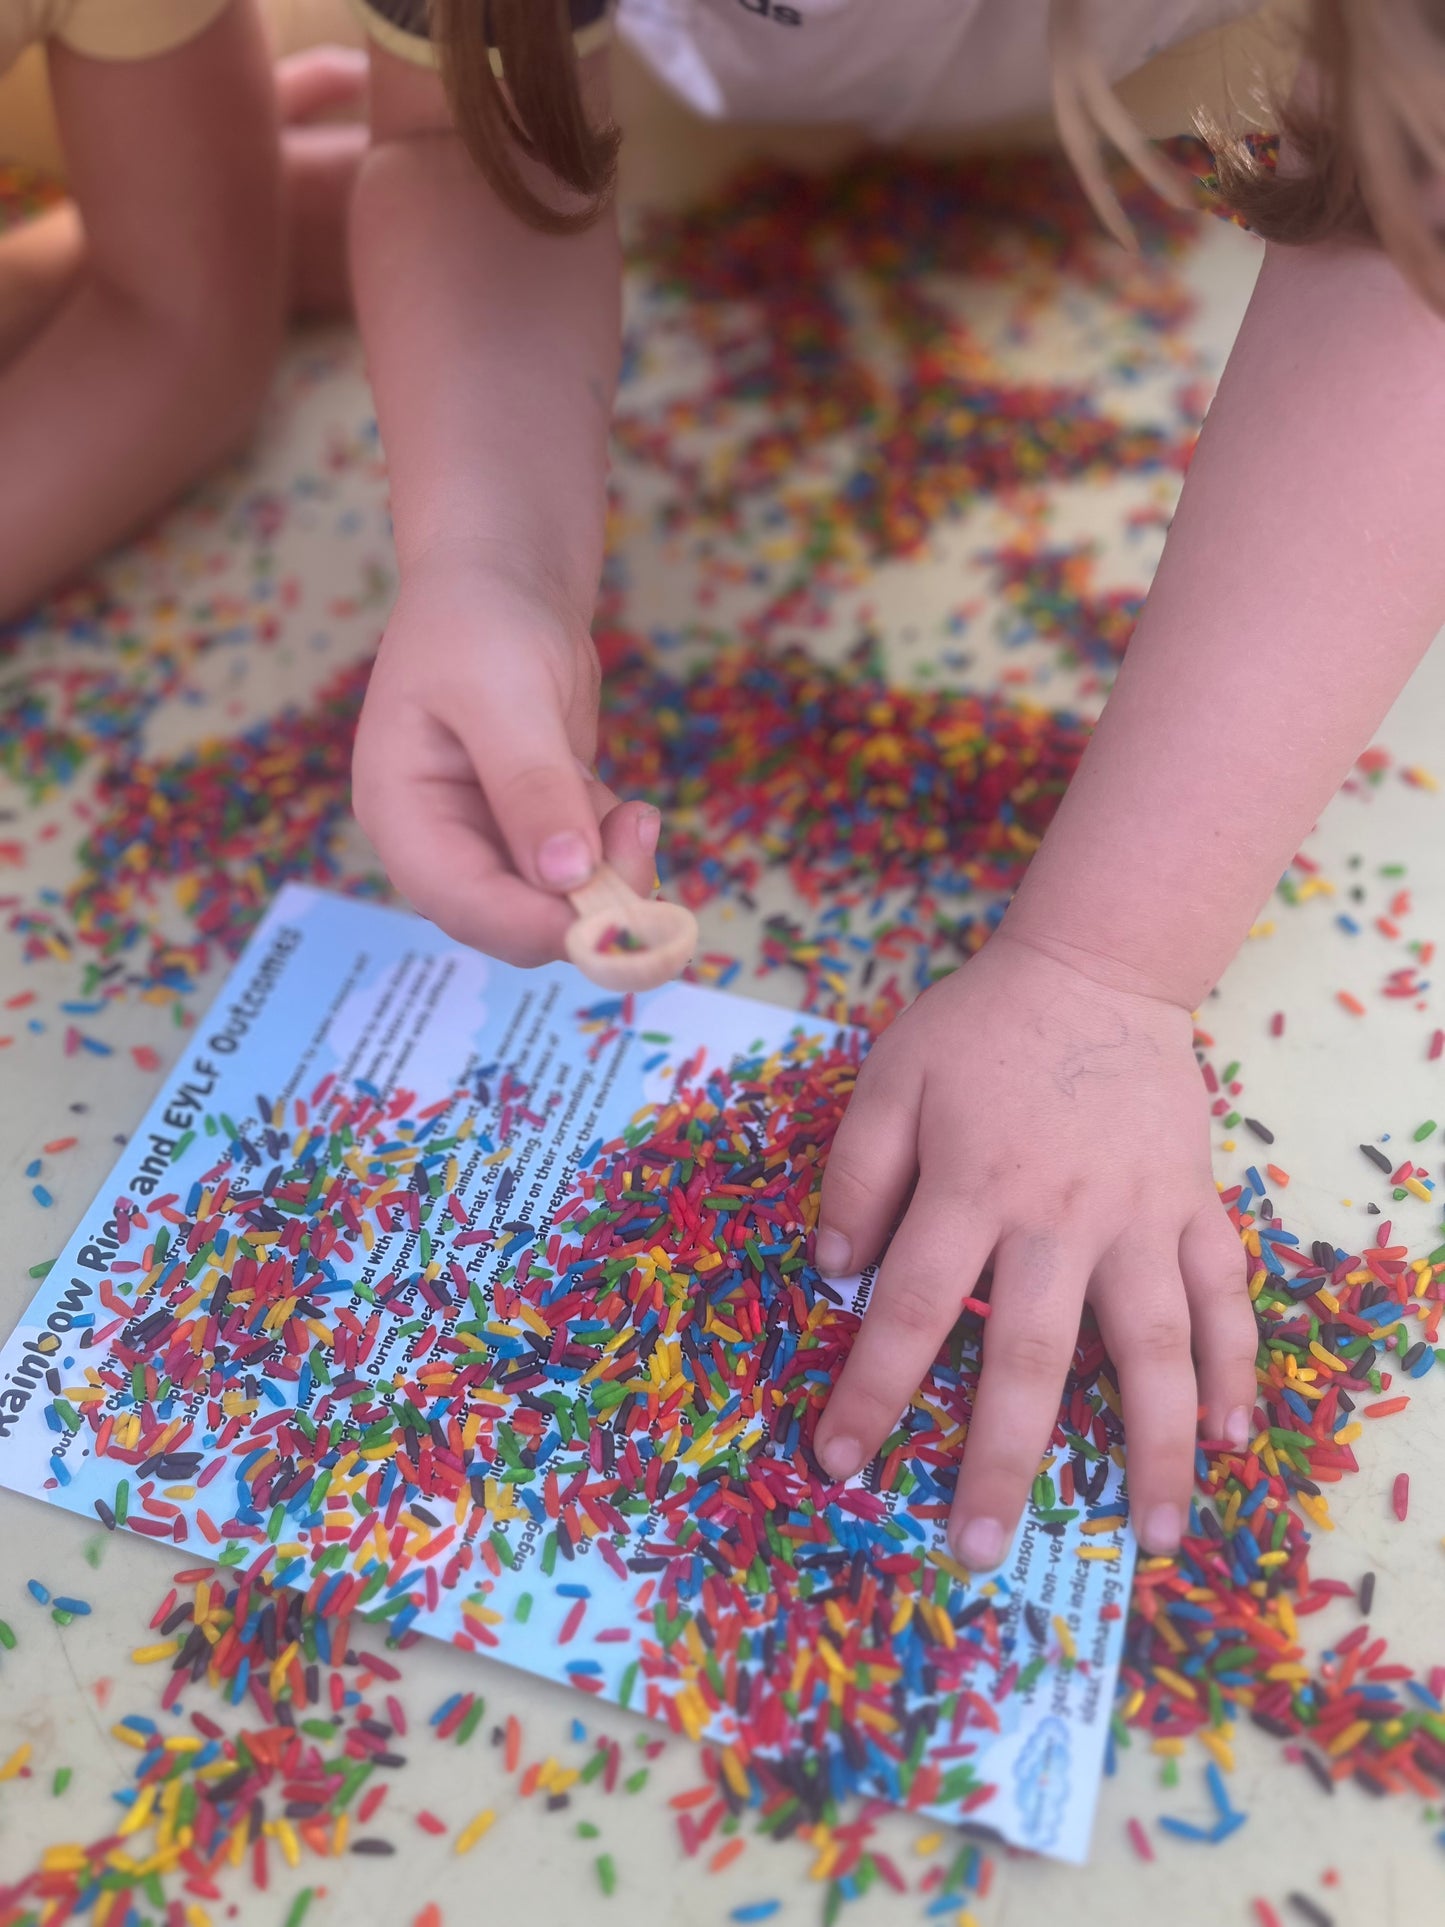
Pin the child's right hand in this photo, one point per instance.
(472, 772)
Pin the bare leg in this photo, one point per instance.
(41, 259)
(156, 359)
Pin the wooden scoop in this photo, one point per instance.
(657, 937)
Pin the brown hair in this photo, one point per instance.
(1362, 140)
(538, 115)
(1363, 136)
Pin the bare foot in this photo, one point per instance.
(322, 99)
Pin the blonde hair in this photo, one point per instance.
(1363, 139)
(1364, 144)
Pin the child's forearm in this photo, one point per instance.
(1304, 577)
(493, 351)
(1302, 581)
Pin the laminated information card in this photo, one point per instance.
(475, 1300)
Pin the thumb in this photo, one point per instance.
(537, 793)
(629, 841)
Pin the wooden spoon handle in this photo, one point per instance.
(605, 894)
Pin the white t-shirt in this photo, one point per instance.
(889, 66)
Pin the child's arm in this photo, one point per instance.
(156, 360)
(493, 350)
(1047, 1095)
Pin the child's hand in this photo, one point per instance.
(1057, 1127)
(472, 769)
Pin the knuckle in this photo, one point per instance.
(848, 1178)
(539, 783)
(1219, 1246)
(1242, 1325)
(1231, 1280)
(864, 1402)
(1225, 1267)
(912, 1308)
(1157, 1331)
(1027, 1351)
(1221, 1305)
(1221, 1286)
(1242, 1355)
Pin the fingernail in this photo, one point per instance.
(831, 1252)
(649, 828)
(841, 1458)
(1161, 1530)
(564, 861)
(981, 1544)
(1236, 1427)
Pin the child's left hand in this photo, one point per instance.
(1056, 1127)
